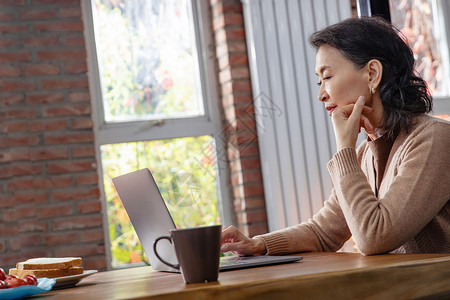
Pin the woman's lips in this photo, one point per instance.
(330, 109)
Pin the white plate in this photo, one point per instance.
(69, 281)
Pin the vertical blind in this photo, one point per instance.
(295, 134)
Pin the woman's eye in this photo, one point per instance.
(325, 78)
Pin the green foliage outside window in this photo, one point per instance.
(147, 71)
(184, 171)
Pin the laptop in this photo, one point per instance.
(151, 218)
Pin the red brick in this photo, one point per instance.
(18, 141)
(75, 193)
(231, 6)
(61, 55)
(16, 213)
(52, 125)
(67, 138)
(16, 56)
(68, 110)
(45, 98)
(17, 85)
(75, 67)
(251, 164)
(10, 260)
(227, 20)
(252, 216)
(79, 97)
(6, 16)
(24, 113)
(25, 241)
(12, 2)
(90, 207)
(35, 14)
(14, 127)
(80, 250)
(71, 166)
(50, 84)
(257, 229)
(61, 239)
(7, 201)
(9, 71)
(59, 2)
(92, 235)
(49, 153)
(87, 179)
(8, 42)
(54, 211)
(253, 190)
(233, 60)
(19, 183)
(2, 246)
(52, 182)
(250, 203)
(249, 150)
(59, 26)
(7, 230)
(21, 169)
(227, 7)
(95, 262)
(73, 41)
(78, 222)
(40, 41)
(38, 183)
(83, 151)
(69, 12)
(82, 123)
(40, 69)
(13, 28)
(12, 99)
(30, 197)
(31, 226)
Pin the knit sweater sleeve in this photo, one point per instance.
(325, 231)
(419, 188)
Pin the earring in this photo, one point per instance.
(372, 90)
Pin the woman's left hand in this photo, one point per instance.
(347, 123)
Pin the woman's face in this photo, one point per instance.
(339, 81)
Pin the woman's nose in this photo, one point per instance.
(323, 95)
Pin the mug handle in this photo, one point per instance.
(177, 266)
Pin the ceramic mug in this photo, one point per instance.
(197, 250)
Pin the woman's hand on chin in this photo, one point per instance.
(348, 121)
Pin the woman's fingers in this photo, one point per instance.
(348, 121)
(236, 242)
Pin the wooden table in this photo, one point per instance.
(317, 276)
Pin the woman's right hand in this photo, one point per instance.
(235, 241)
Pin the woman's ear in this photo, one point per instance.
(375, 69)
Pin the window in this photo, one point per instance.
(155, 107)
(424, 25)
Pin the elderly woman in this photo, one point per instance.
(392, 192)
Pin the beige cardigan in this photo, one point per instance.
(408, 211)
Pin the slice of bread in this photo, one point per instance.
(46, 263)
(49, 273)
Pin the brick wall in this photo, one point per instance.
(49, 195)
(239, 116)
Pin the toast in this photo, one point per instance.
(45, 263)
(50, 267)
(49, 273)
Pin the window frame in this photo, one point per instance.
(441, 105)
(145, 130)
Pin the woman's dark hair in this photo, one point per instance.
(403, 93)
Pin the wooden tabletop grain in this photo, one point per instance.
(318, 276)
